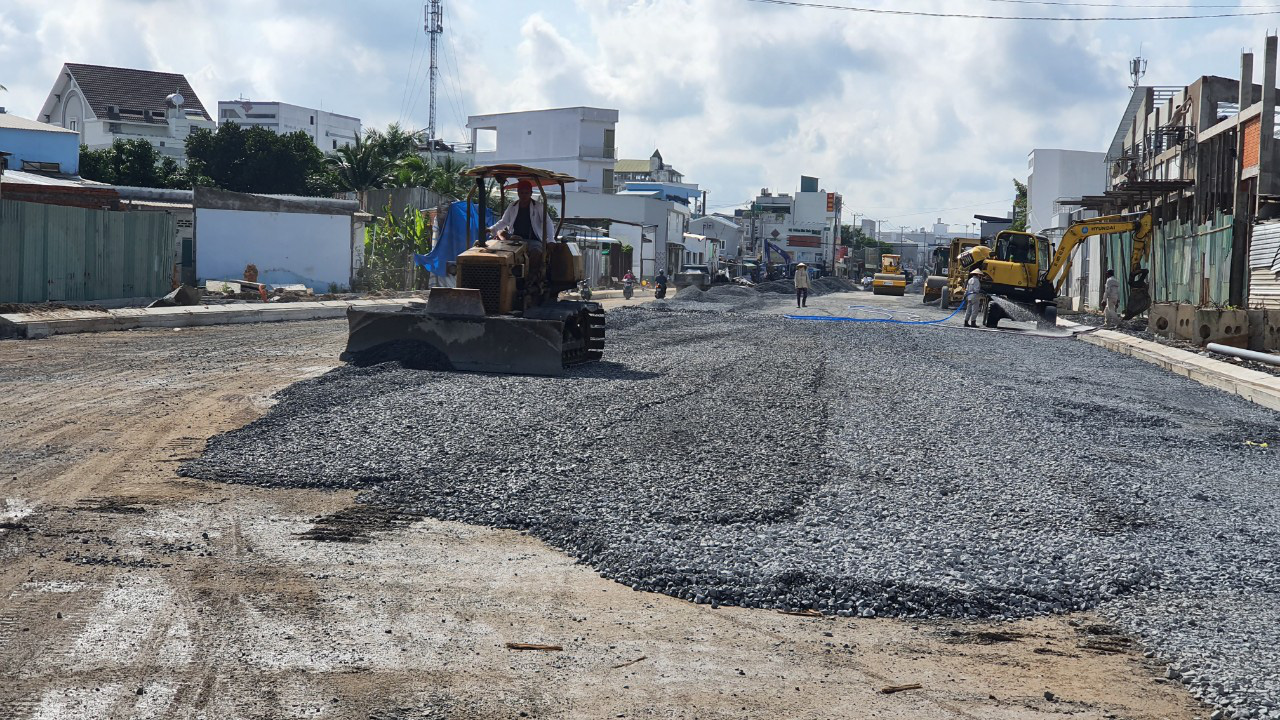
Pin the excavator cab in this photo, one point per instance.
(505, 315)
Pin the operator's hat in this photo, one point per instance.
(801, 265)
(975, 272)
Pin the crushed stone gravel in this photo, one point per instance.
(733, 457)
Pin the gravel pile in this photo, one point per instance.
(821, 286)
(861, 470)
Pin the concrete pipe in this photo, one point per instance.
(1246, 354)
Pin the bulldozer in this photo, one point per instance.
(1024, 270)
(504, 316)
(890, 280)
(948, 282)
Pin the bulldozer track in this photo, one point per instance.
(584, 343)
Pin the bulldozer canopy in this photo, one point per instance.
(511, 171)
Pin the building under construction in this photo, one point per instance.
(1203, 158)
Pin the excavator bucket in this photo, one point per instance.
(1139, 294)
(452, 332)
(1139, 301)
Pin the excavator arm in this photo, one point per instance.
(1137, 223)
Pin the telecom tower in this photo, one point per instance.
(1137, 68)
(433, 13)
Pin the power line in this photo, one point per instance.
(1153, 6)
(1040, 18)
(1131, 7)
(409, 73)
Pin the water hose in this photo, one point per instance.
(890, 319)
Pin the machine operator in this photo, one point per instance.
(527, 219)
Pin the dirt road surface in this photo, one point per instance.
(129, 592)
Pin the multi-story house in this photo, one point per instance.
(104, 104)
(578, 141)
(805, 224)
(327, 130)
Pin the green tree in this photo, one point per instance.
(1019, 206)
(442, 176)
(257, 160)
(135, 163)
(362, 165)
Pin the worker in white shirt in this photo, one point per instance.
(972, 298)
(1111, 300)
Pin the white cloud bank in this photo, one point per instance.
(905, 116)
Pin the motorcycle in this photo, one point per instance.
(627, 286)
(660, 291)
(584, 292)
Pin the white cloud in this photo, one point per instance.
(900, 114)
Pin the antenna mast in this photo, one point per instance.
(1137, 68)
(434, 25)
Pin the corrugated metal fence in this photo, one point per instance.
(50, 252)
(1190, 264)
(1264, 266)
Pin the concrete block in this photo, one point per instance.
(1257, 329)
(1271, 331)
(1225, 327)
(1163, 318)
(1184, 328)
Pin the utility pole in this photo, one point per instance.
(434, 25)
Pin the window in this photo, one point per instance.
(335, 144)
(607, 182)
(261, 116)
(313, 119)
(73, 124)
(608, 143)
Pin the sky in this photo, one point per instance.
(911, 118)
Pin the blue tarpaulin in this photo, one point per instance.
(453, 237)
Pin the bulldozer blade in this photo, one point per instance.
(543, 342)
(1139, 301)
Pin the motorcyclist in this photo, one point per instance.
(661, 282)
(628, 283)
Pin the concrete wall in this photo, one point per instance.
(41, 146)
(291, 240)
(314, 250)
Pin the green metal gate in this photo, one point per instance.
(56, 253)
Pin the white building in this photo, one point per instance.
(805, 225)
(654, 228)
(729, 234)
(578, 141)
(105, 104)
(327, 130)
(1061, 174)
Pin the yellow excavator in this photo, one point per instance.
(504, 316)
(1023, 269)
(946, 288)
(890, 280)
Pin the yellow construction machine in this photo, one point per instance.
(504, 315)
(890, 280)
(948, 283)
(1023, 269)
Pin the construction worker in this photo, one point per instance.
(972, 298)
(527, 219)
(1111, 300)
(802, 285)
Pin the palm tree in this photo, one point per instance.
(440, 175)
(362, 165)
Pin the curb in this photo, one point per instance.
(63, 322)
(1252, 385)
